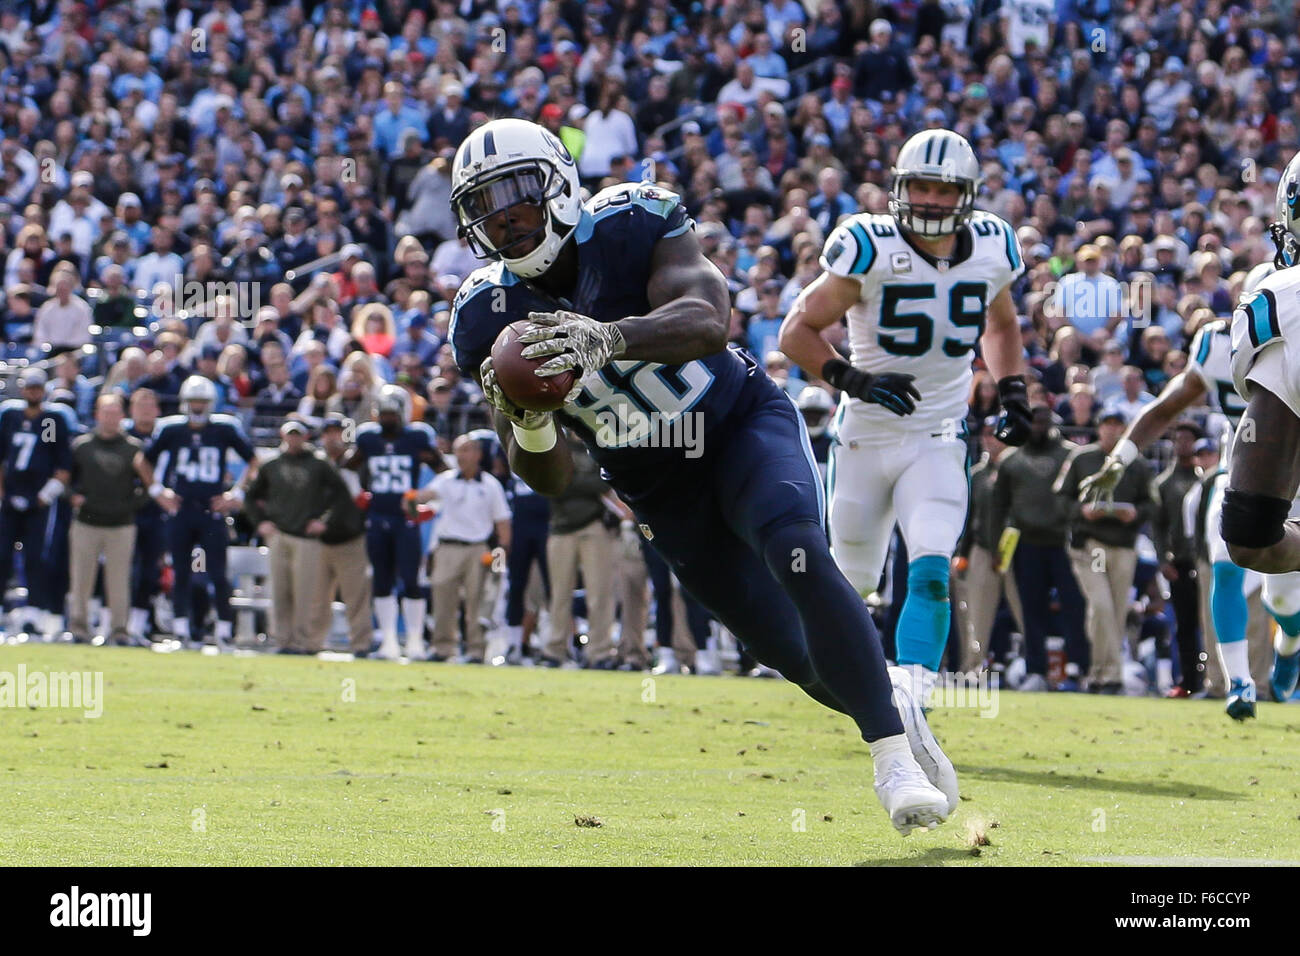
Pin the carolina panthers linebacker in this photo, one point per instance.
(618, 290)
(1209, 376)
(921, 287)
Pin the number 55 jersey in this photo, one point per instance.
(919, 315)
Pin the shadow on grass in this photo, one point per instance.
(1101, 781)
(935, 856)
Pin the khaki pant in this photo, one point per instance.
(87, 542)
(633, 584)
(591, 547)
(345, 570)
(458, 572)
(295, 570)
(1105, 575)
(977, 593)
(1259, 639)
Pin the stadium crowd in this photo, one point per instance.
(297, 156)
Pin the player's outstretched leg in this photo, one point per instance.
(1282, 598)
(845, 648)
(1228, 607)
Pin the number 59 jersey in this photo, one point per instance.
(918, 315)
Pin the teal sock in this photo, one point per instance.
(1228, 602)
(923, 623)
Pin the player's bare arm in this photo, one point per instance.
(818, 307)
(692, 308)
(1261, 485)
(1182, 392)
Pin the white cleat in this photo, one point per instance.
(934, 763)
(707, 663)
(666, 662)
(415, 650)
(909, 798)
(389, 650)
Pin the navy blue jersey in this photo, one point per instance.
(393, 463)
(621, 403)
(33, 448)
(192, 461)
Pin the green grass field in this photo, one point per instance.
(269, 760)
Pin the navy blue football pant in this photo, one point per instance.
(146, 560)
(742, 527)
(1038, 569)
(527, 544)
(35, 528)
(697, 617)
(394, 548)
(197, 539)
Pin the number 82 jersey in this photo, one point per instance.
(918, 315)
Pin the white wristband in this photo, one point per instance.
(237, 493)
(536, 440)
(156, 489)
(1127, 452)
(51, 490)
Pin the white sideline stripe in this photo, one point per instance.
(1186, 861)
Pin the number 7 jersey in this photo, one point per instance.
(918, 315)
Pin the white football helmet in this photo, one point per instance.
(394, 398)
(1254, 277)
(942, 156)
(815, 406)
(1285, 227)
(196, 388)
(509, 162)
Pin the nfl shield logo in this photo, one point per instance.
(647, 533)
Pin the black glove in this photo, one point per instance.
(1014, 422)
(893, 390)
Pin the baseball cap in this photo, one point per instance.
(552, 111)
(1204, 444)
(82, 178)
(1165, 243)
(333, 421)
(691, 128)
(211, 352)
(771, 285)
(1173, 64)
(32, 377)
(129, 199)
(293, 425)
(350, 251)
(1088, 251)
(1113, 415)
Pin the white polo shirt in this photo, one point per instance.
(468, 508)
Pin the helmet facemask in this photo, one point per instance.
(533, 183)
(930, 220)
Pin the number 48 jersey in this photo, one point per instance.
(192, 461)
(918, 315)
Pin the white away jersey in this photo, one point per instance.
(1210, 357)
(919, 316)
(1266, 339)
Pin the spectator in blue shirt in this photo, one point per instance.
(394, 119)
(765, 324)
(418, 340)
(831, 201)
